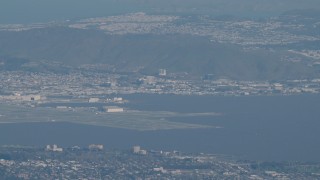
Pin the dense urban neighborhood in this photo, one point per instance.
(94, 162)
(240, 85)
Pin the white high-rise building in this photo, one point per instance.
(136, 149)
(162, 72)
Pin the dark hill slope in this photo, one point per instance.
(148, 53)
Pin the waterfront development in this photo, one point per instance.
(161, 93)
(278, 128)
(94, 162)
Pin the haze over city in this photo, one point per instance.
(171, 89)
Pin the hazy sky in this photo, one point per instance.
(21, 11)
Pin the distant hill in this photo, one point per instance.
(148, 53)
(308, 19)
(309, 14)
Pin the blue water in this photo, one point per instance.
(275, 128)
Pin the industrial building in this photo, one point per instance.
(53, 148)
(19, 97)
(113, 109)
(96, 147)
(93, 100)
(138, 150)
(117, 99)
(29, 97)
